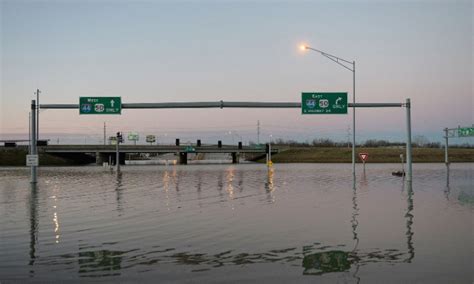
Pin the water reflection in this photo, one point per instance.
(166, 187)
(56, 219)
(312, 259)
(269, 186)
(230, 179)
(340, 261)
(409, 223)
(325, 262)
(240, 182)
(220, 183)
(447, 175)
(100, 263)
(448, 188)
(355, 221)
(118, 191)
(33, 216)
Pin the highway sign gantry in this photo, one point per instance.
(100, 105)
(324, 103)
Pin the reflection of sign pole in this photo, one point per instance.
(117, 154)
(403, 163)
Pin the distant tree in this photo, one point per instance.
(323, 142)
(376, 143)
(420, 141)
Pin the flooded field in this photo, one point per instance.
(227, 223)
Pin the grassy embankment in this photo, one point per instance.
(17, 157)
(376, 155)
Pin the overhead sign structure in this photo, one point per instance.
(100, 105)
(324, 103)
(465, 131)
(364, 156)
(32, 160)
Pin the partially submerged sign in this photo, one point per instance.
(32, 160)
(100, 105)
(324, 103)
(364, 156)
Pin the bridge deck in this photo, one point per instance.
(149, 149)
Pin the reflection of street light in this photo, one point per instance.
(351, 67)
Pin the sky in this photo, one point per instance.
(157, 51)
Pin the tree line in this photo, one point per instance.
(417, 141)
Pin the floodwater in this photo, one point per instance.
(300, 223)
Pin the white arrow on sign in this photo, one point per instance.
(112, 102)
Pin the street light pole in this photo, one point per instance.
(349, 65)
(37, 114)
(353, 118)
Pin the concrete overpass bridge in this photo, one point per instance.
(105, 152)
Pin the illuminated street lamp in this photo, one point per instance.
(351, 67)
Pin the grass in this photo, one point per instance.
(17, 157)
(376, 155)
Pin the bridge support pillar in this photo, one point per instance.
(101, 158)
(235, 158)
(113, 158)
(183, 158)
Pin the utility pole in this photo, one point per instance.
(348, 136)
(258, 132)
(446, 161)
(37, 114)
(105, 133)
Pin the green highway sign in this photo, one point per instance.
(100, 105)
(465, 131)
(133, 136)
(324, 103)
(190, 149)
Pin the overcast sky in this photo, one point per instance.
(155, 51)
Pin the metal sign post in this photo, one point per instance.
(33, 143)
(446, 137)
(117, 152)
(409, 158)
